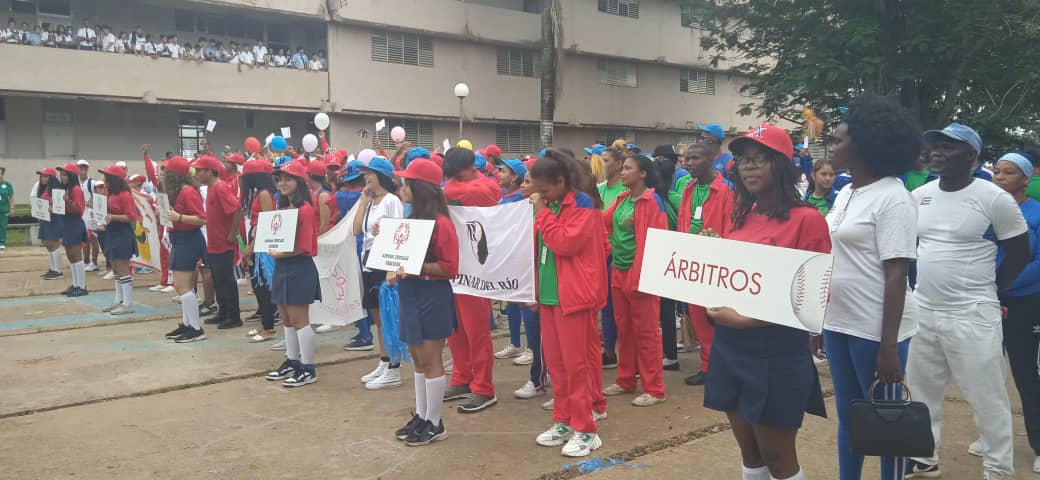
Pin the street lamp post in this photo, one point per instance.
(461, 91)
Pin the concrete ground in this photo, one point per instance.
(90, 396)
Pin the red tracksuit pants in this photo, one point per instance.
(572, 351)
(472, 353)
(705, 333)
(637, 316)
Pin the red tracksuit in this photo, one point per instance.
(570, 337)
(717, 214)
(637, 314)
(471, 349)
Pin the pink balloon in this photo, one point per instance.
(397, 134)
(366, 156)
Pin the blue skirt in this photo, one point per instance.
(766, 375)
(188, 248)
(426, 310)
(53, 229)
(120, 243)
(75, 231)
(295, 281)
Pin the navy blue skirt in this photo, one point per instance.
(766, 375)
(189, 247)
(53, 229)
(120, 243)
(75, 232)
(426, 310)
(295, 281)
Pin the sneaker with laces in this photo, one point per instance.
(109, 275)
(208, 309)
(511, 351)
(916, 469)
(305, 375)
(670, 364)
(168, 289)
(991, 475)
(122, 310)
(177, 331)
(476, 403)
(549, 405)
(615, 389)
(977, 448)
(78, 292)
(191, 335)
(1036, 465)
(525, 358)
(556, 435)
(581, 444)
(325, 328)
(609, 360)
(53, 275)
(374, 374)
(111, 307)
(279, 345)
(156, 288)
(426, 434)
(67, 291)
(390, 378)
(456, 392)
(647, 400)
(285, 370)
(599, 416)
(176, 299)
(529, 391)
(403, 432)
(91, 267)
(359, 345)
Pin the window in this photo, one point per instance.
(612, 72)
(315, 35)
(191, 129)
(250, 119)
(403, 48)
(278, 33)
(183, 21)
(697, 81)
(606, 137)
(518, 140)
(254, 31)
(56, 8)
(235, 27)
(215, 25)
(418, 132)
(692, 17)
(519, 62)
(24, 6)
(624, 8)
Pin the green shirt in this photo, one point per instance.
(1033, 190)
(819, 203)
(623, 238)
(915, 179)
(700, 195)
(674, 200)
(6, 194)
(548, 282)
(609, 194)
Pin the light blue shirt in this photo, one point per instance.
(299, 61)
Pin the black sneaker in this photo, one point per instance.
(52, 275)
(456, 392)
(190, 335)
(305, 375)
(214, 320)
(77, 292)
(674, 366)
(69, 290)
(285, 370)
(359, 345)
(207, 309)
(403, 432)
(609, 360)
(227, 323)
(177, 331)
(254, 317)
(921, 470)
(696, 379)
(476, 403)
(426, 434)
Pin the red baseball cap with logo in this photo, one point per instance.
(294, 168)
(258, 165)
(47, 171)
(423, 170)
(317, 168)
(208, 162)
(136, 178)
(768, 136)
(177, 165)
(70, 168)
(236, 158)
(114, 170)
(493, 150)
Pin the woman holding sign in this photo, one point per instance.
(74, 230)
(762, 374)
(258, 191)
(120, 244)
(295, 284)
(50, 230)
(188, 245)
(636, 314)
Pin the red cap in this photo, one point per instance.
(236, 158)
(177, 165)
(529, 161)
(70, 168)
(115, 171)
(317, 168)
(208, 162)
(136, 178)
(493, 150)
(258, 165)
(769, 136)
(424, 170)
(47, 171)
(294, 168)
(437, 158)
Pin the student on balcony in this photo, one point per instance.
(87, 36)
(299, 59)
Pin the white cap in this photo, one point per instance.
(83, 163)
(99, 182)
(121, 164)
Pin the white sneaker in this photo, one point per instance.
(156, 288)
(279, 345)
(1036, 464)
(556, 435)
(449, 366)
(977, 448)
(169, 289)
(581, 445)
(525, 358)
(176, 299)
(325, 328)
(528, 391)
(996, 476)
(510, 351)
(598, 417)
(374, 374)
(109, 276)
(91, 267)
(390, 378)
(242, 281)
(549, 405)
(122, 310)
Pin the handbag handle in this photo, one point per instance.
(874, 385)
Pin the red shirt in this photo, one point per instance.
(307, 230)
(255, 208)
(76, 201)
(331, 202)
(479, 191)
(805, 229)
(221, 206)
(189, 202)
(444, 248)
(122, 203)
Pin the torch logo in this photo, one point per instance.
(404, 231)
(276, 223)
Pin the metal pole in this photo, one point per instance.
(460, 118)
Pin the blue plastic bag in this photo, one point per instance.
(388, 303)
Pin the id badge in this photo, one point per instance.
(544, 254)
(697, 213)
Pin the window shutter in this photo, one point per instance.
(402, 48)
(518, 62)
(624, 8)
(611, 72)
(697, 81)
(517, 140)
(418, 132)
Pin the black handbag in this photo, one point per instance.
(890, 428)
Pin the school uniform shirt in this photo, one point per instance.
(87, 37)
(481, 191)
(77, 202)
(280, 60)
(108, 43)
(609, 193)
(260, 52)
(122, 203)
(444, 248)
(189, 203)
(174, 49)
(869, 225)
(221, 206)
(149, 48)
(628, 242)
(957, 250)
(1028, 282)
(307, 230)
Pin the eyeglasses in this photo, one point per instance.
(750, 161)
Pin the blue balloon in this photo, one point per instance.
(278, 143)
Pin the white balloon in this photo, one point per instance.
(366, 156)
(321, 120)
(310, 143)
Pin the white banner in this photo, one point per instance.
(146, 233)
(402, 242)
(41, 209)
(276, 230)
(496, 251)
(339, 274)
(777, 285)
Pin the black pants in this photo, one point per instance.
(1021, 340)
(222, 267)
(668, 328)
(263, 301)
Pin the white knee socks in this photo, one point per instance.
(760, 473)
(420, 395)
(79, 274)
(797, 476)
(126, 284)
(190, 310)
(434, 398)
(306, 337)
(292, 344)
(55, 259)
(119, 292)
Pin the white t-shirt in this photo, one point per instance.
(280, 60)
(956, 256)
(869, 225)
(174, 49)
(246, 57)
(390, 206)
(108, 43)
(259, 51)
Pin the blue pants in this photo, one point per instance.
(852, 362)
(364, 327)
(533, 328)
(513, 313)
(607, 315)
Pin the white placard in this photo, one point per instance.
(267, 141)
(210, 125)
(380, 125)
(776, 285)
(162, 203)
(286, 132)
(276, 230)
(447, 145)
(41, 209)
(100, 208)
(401, 242)
(58, 201)
(495, 246)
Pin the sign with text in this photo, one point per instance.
(401, 242)
(41, 209)
(276, 230)
(58, 201)
(773, 284)
(162, 203)
(495, 251)
(100, 209)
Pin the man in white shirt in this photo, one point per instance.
(87, 183)
(245, 57)
(961, 221)
(260, 53)
(86, 36)
(174, 47)
(108, 40)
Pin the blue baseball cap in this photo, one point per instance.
(381, 166)
(515, 165)
(632, 146)
(479, 161)
(596, 149)
(353, 171)
(714, 129)
(282, 161)
(958, 132)
(417, 152)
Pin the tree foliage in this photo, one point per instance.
(973, 61)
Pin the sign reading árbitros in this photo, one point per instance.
(401, 242)
(773, 284)
(276, 230)
(495, 251)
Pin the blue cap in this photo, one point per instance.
(542, 153)
(958, 132)
(353, 171)
(479, 161)
(1021, 161)
(632, 146)
(515, 165)
(381, 166)
(714, 129)
(596, 149)
(799, 147)
(282, 161)
(417, 152)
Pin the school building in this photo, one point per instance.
(631, 68)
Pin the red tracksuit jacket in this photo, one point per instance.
(649, 213)
(576, 237)
(717, 211)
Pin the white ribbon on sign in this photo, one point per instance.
(496, 251)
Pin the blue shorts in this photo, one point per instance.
(295, 281)
(188, 248)
(426, 310)
(75, 231)
(53, 229)
(120, 243)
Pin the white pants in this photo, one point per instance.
(966, 344)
